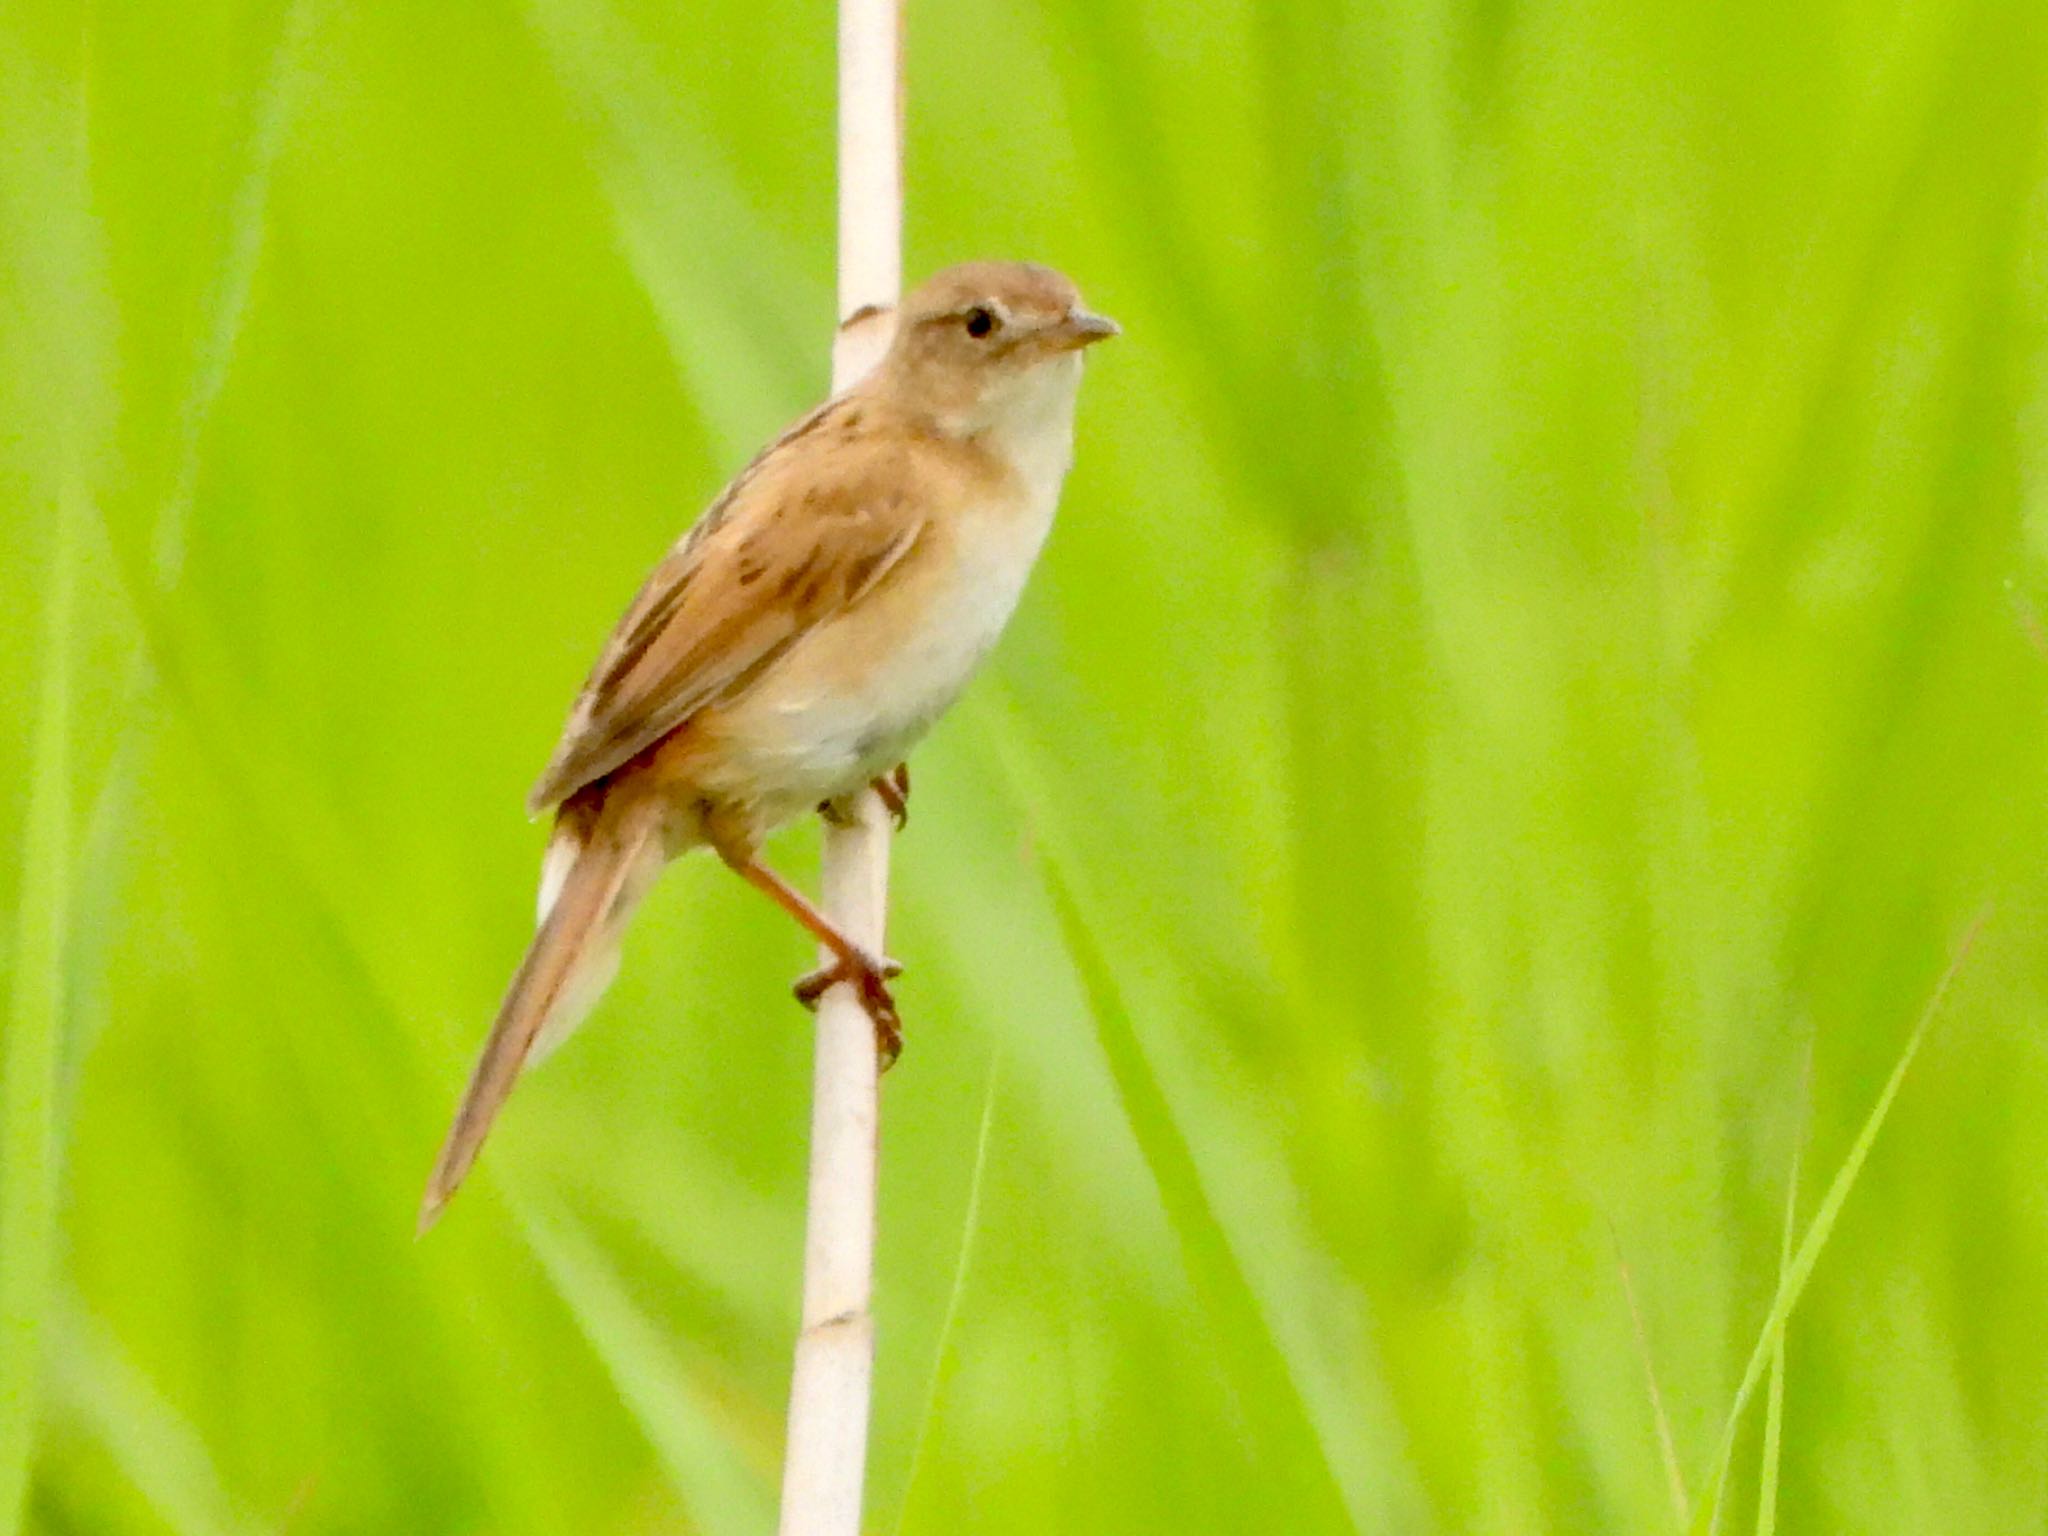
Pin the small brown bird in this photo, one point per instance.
(796, 642)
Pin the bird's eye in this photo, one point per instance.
(980, 321)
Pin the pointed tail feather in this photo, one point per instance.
(564, 969)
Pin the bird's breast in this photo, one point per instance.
(970, 593)
(850, 700)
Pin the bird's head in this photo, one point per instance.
(991, 345)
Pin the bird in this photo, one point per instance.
(795, 643)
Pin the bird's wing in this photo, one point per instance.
(797, 538)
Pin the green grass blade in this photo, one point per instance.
(970, 1225)
(1707, 1517)
(1302, 1475)
(1667, 1445)
(228, 299)
(703, 1458)
(715, 298)
(31, 1055)
(1774, 1397)
(148, 1439)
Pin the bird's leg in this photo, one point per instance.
(892, 789)
(868, 973)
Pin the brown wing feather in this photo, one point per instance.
(796, 538)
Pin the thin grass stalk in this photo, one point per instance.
(825, 1460)
(31, 1050)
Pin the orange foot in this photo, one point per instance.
(870, 978)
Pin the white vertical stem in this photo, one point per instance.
(825, 1461)
(870, 182)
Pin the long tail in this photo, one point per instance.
(597, 870)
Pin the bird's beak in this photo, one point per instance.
(1081, 328)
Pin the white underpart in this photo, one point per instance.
(1031, 420)
(847, 736)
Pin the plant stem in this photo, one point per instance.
(825, 1460)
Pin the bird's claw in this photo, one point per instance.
(892, 789)
(869, 976)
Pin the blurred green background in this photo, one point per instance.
(1541, 666)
